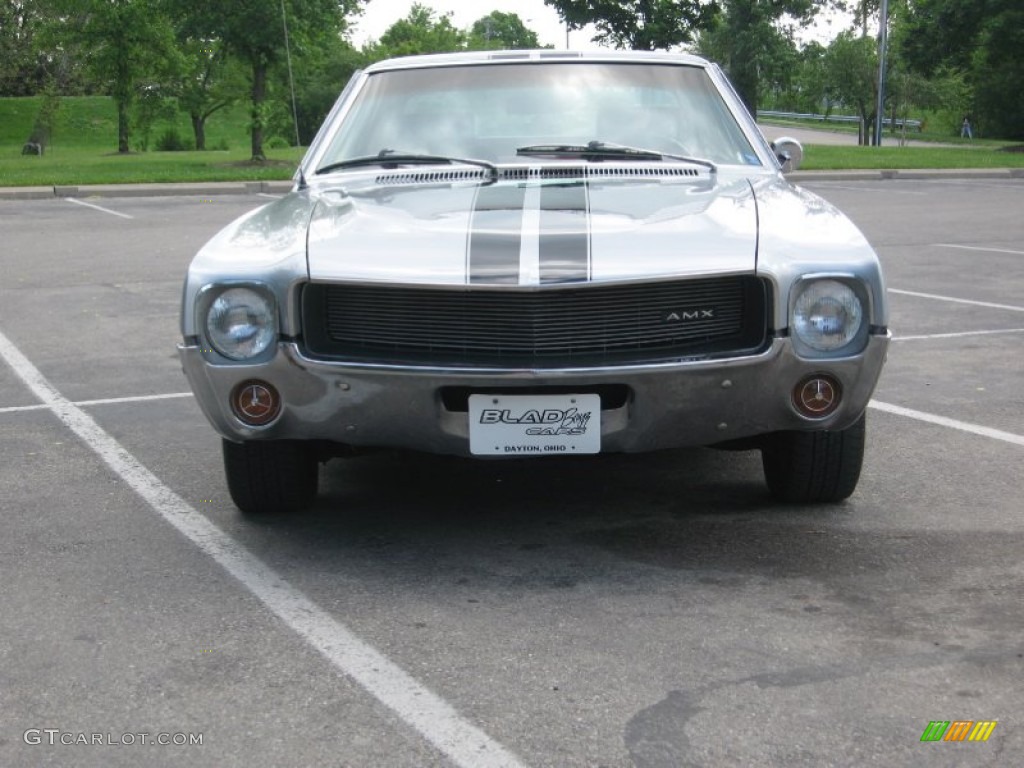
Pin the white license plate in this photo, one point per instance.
(534, 425)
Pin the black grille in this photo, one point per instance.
(537, 328)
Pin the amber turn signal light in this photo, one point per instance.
(817, 396)
(255, 402)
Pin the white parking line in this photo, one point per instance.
(17, 408)
(436, 720)
(136, 399)
(977, 248)
(956, 335)
(104, 401)
(955, 300)
(98, 208)
(942, 421)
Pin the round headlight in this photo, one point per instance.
(241, 323)
(827, 315)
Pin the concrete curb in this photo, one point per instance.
(920, 174)
(197, 189)
(211, 189)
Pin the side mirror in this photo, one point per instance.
(789, 152)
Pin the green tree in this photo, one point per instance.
(253, 30)
(749, 40)
(998, 71)
(421, 31)
(502, 30)
(944, 89)
(941, 32)
(211, 81)
(318, 82)
(809, 91)
(128, 47)
(646, 25)
(851, 71)
(22, 70)
(38, 55)
(982, 39)
(861, 10)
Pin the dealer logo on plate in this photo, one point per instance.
(544, 424)
(570, 422)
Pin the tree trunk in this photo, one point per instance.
(123, 124)
(259, 95)
(123, 93)
(866, 136)
(199, 130)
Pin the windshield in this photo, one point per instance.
(489, 111)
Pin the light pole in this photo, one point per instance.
(883, 39)
(291, 79)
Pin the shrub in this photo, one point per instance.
(170, 141)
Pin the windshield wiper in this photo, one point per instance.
(600, 150)
(388, 158)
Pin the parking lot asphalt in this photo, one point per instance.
(621, 611)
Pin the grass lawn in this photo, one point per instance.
(84, 143)
(822, 157)
(78, 166)
(83, 148)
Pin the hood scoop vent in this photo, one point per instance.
(539, 173)
(431, 177)
(644, 171)
(542, 172)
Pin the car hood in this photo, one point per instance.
(406, 228)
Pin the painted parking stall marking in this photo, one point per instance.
(426, 712)
(103, 401)
(98, 208)
(957, 335)
(943, 421)
(977, 248)
(955, 300)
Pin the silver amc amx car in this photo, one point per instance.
(511, 254)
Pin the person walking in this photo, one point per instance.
(965, 129)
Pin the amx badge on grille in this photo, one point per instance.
(686, 315)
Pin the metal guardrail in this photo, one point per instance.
(910, 123)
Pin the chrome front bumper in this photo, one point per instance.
(670, 404)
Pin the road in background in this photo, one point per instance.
(824, 136)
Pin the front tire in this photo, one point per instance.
(814, 467)
(271, 476)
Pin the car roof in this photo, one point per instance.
(547, 55)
